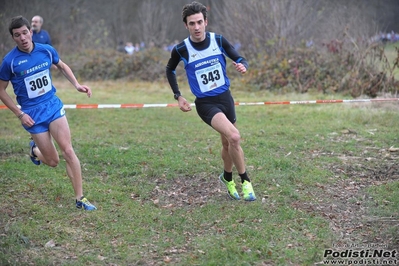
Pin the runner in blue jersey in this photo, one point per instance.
(203, 54)
(42, 114)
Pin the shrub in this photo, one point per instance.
(354, 72)
(147, 65)
(340, 69)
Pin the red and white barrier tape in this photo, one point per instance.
(323, 101)
(156, 105)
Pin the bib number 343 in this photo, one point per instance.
(210, 78)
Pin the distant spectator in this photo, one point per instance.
(121, 47)
(171, 46)
(142, 46)
(137, 47)
(39, 35)
(129, 48)
(237, 45)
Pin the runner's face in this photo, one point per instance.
(23, 38)
(196, 27)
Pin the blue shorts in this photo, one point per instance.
(208, 107)
(43, 114)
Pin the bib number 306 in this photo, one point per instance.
(38, 84)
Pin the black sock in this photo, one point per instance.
(80, 198)
(244, 177)
(33, 153)
(228, 176)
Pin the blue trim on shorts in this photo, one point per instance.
(43, 114)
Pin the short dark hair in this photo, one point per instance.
(194, 8)
(18, 22)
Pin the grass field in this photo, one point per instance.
(325, 175)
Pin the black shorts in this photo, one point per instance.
(208, 107)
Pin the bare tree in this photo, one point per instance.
(267, 24)
(257, 24)
(292, 21)
(153, 29)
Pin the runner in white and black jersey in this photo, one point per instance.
(203, 54)
(42, 113)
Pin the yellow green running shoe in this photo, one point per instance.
(248, 191)
(231, 188)
(83, 203)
